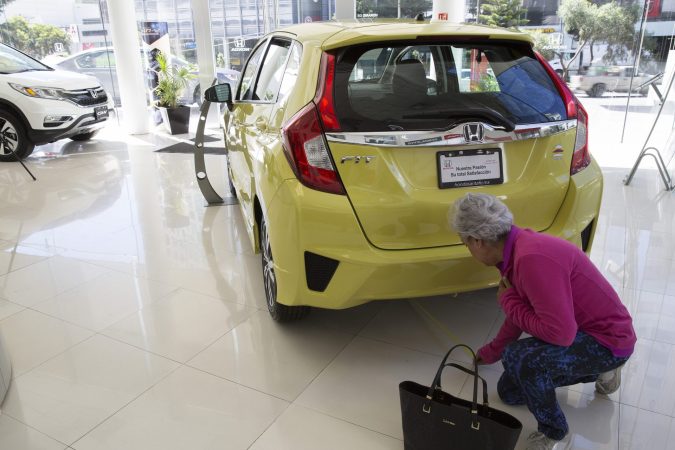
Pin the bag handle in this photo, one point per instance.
(426, 407)
(470, 372)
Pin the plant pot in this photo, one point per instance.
(176, 120)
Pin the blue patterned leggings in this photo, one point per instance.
(534, 368)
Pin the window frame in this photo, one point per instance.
(272, 39)
(262, 46)
(445, 61)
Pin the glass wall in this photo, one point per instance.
(236, 24)
(390, 9)
(541, 12)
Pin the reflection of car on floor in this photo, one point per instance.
(39, 105)
(100, 62)
(348, 144)
(600, 79)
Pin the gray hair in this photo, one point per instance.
(481, 216)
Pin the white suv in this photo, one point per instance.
(39, 105)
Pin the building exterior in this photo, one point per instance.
(81, 19)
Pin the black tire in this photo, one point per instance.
(14, 141)
(279, 312)
(598, 89)
(84, 136)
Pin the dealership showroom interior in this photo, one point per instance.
(337, 224)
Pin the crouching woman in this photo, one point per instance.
(581, 332)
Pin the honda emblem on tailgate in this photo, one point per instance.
(474, 132)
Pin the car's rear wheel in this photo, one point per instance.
(279, 312)
(598, 89)
(14, 142)
(84, 136)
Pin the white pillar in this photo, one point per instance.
(128, 66)
(453, 11)
(668, 73)
(345, 9)
(201, 15)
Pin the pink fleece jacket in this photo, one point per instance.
(555, 292)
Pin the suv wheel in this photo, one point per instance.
(597, 90)
(279, 312)
(84, 136)
(13, 140)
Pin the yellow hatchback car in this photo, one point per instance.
(349, 142)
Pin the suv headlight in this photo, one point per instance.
(39, 92)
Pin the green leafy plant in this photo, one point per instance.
(503, 13)
(171, 81)
(37, 40)
(488, 83)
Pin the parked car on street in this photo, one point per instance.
(39, 105)
(567, 56)
(348, 144)
(600, 79)
(100, 63)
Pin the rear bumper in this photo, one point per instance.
(303, 220)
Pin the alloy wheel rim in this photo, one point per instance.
(9, 138)
(269, 277)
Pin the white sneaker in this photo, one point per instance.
(609, 382)
(539, 441)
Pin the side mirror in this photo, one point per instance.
(219, 93)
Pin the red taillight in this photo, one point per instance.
(324, 93)
(304, 141)
(307, 152)
(567, 96)
(581, 157)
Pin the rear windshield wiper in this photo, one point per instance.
(489, 115)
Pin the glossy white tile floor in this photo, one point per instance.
(135, 316)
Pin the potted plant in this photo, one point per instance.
(171, 81)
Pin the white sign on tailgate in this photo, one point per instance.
(469, 168)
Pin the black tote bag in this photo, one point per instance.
(436, 420)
